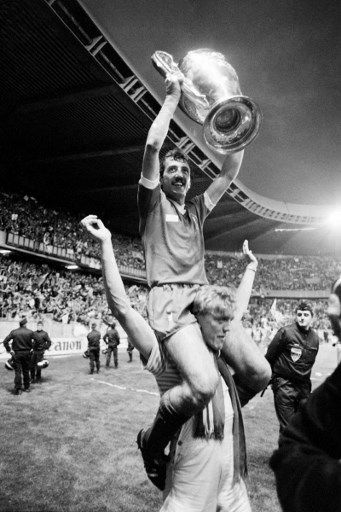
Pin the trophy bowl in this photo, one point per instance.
(211, 96)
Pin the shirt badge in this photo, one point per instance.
(295, 353)
(170, 217)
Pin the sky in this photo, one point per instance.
(288, 59)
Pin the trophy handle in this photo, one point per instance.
(164, 63)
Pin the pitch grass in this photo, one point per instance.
(69, 445)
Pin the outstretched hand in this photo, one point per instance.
(249, 254)
(96, 228)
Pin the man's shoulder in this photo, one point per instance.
(145, 193)
(281, 329)
(286, 331)
(290, 327)
(25, 330)
(195, 200)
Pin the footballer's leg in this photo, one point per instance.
(197, 367)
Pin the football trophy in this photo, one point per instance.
(211, 96)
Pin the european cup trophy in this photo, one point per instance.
(211, 96)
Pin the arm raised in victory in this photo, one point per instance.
(228, 173)
(252, 371)
(139, 332)
(159, 128)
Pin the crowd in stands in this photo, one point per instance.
(35, 290)
(278, 272)
(24, 216)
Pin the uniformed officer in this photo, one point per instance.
(42, 343)
(291, 355)
(112, 339)
(94, 338)
(307, 463)
(23, 340)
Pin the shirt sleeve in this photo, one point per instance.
(7, 340)
(147, 199)
(201, 208)
(151, 184)
(47, 341)
(208, 202)
(275, 347)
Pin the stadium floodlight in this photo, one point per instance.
(72, 267)
(334, 220)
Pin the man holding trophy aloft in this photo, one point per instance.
(172, 233)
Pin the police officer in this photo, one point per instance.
(42, 343)
(23, 340)
(291, 355)
(112, 339)
(94, 338)
(307, 463)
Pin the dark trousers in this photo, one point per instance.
(94, 359)
(111, 350)
(37, 356)
(21, 365)
(288, 396)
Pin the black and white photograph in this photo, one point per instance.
(170, 256)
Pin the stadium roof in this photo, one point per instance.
(78, 94)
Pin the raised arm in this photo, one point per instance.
(141, 335)
(228, 173)
(159, 128)
(252, 372)
(244, 289)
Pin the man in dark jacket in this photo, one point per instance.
(291, 355)
(23, 340)
(94, 338)
(307, 463)
(42, 343)
(112, 339)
